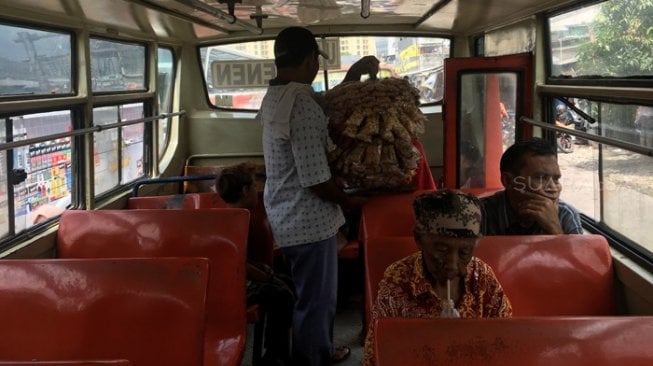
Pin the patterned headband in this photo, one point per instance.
(449, 213)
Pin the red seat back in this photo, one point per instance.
(553, 274)
(261, 245)
(543, 275)
(187, 201)
(131, 309)
(210, 200)
(388, 215)
(219, 235)
(586, 341)
(379, 254)
(392, 215)
(68, 363)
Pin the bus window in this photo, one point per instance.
(118, 153)
(132, 143)
(34, 62)
(117, 66)
(230, 81)
(609, 183)
(610, 39)
(105, 149)
(624, 186)
(46, 190)
(166, 76)
(237, 75)
(4, 174)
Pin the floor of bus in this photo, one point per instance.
(348, 324)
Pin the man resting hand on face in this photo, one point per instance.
(530, 203)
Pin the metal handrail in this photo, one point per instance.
(176, 179)
(224, 155)
(84, 131)
(600, 139)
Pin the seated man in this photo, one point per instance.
(270, 290)
(423, 285)
(530, 203)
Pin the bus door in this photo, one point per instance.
(483, 99)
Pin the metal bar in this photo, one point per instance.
(434, 9)
(224, 155)
(635, 95)
(179, 15)
(176, 179)
(208, 9)
(84, 131)
(600, 139)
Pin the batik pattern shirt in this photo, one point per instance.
(405, 292)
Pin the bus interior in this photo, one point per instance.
(102, 101)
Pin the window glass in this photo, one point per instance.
(612, 38)
(515, 38)
(105, 149)
(625, 181)
(628, 194)
(115, 165)
(132, 143)
(237, 75)
(166, 76)
(4, 208)
(488, 112)
(46, 191)
(117, 66)
(34, 62)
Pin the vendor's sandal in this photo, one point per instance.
(340, 354)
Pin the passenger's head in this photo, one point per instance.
(532, 166)
(235, 185)
(447, 229)
(295, 47)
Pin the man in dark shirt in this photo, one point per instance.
(530, 203)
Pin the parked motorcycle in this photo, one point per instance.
(564, 140)
(565, 143)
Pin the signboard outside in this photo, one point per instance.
(257, 73)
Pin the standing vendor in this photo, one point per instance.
(301, 198)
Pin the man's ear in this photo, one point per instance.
(506, 179)
(416, 236)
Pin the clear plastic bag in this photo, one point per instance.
(449, 310)
(448, 307)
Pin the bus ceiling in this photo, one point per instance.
(226, 19)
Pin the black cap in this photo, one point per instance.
(295, 42)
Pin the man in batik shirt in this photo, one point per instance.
(447, 229)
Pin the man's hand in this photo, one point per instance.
(541, 209)
(366, 65)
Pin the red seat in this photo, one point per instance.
(392, 215)
(553, 274)
(261, 252)
(116, 309)
(220, 235)
(68, 363)
(187, 201)
(585, 341)
(543, 275)
(210, 200)
(388, 215)
(379, 254)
